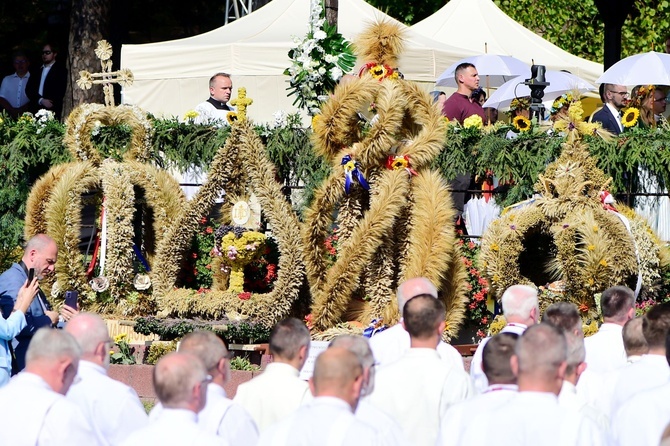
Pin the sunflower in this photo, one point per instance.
(521, 123)
(630, 117)
(378, 71)
(231, 117)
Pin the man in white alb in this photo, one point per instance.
(112, 408)
(328, 419)
(521, 309)
(388, 429)
(221, 416)
(390, 344)
(33, 408)
(278, 391)
(215, 109)
(417, 389)
(180, 382)
(462, 423)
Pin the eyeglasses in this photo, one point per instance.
(622, 93)
(20, 62)
(47, 52)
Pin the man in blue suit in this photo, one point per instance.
(41, 253)
(11, 326)
(615, 98)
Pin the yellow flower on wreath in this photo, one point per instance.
(630, 117)
(231, 117)
(315, 120)
(522, 124)
(378, 71)
(473, 121)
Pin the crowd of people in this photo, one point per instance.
(537, 382)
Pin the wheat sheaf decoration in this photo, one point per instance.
(394, 214)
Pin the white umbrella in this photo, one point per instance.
(650, 68)
(560, 82)
(499, 69)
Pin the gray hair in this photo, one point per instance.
(358, 345)
(519, 300)
(175, 375)
(541, 350)
(207, 346)
(51, 344)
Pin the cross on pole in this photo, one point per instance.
(106, 77)
(241, 102)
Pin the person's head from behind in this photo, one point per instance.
(289, 342)
(478, 95)
(180, 382)
(54, 356)
(338, 373)
(438, 98)
(211, 350)
(359, 346)
(423, 318)
(496, 358)
(617, 304)
(539, 361)
(520, 304)
(41, 253)
(655, 327)
(413, 287)
(467, 77)
(221, 87)
(92, 335)
(564, 316)
(633, 339)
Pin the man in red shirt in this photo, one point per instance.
(459, 105)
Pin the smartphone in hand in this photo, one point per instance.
(31, 275)
(71, 299)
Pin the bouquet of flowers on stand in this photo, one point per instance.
(318, 61)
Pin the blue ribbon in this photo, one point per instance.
(374, 328)
(352, 171)
(141, 258)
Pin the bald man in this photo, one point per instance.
(180, 381)
(111, 407)
(521, 309)
(329, 419)
(41, 253)
(33, 409)
(392, 343)
(417, 389)
(221, 416)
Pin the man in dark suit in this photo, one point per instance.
(614, 99)
(46, 87)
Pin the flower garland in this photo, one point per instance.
(318, 61)
(562, 101)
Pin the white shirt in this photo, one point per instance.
(605, 350)
(31, 413)
(222, 417)
(643, 418)
(462, 423)
(417, 390)
(569, 399)
(326, 421)
(112, 408)
(13, 89)
(536, 419)
(273, 395)
(389, 346)
(389, 431)
(479, 380)
(45, 72)
(650, 371)
(173, 427)
(208, 114)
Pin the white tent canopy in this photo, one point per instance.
(481, 27)
(171, 77)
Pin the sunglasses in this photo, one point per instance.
(47, 52)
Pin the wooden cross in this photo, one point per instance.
(242, 102)
(107, 77)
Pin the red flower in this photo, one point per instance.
(195, 255)
(485, 320)
(471, 245)
(474, 272)
(481, 334)
(208, 266)
(482, 281)
(209, 230)
(472, 305)
(308, 321)
(203, 220)
(244, 296)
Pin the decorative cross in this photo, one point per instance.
(242, 102)
(107, 77)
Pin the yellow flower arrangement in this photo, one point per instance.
(378, 71)
(231, 117)
(473, 121)
(239, 252)
(191, 115)
(315, 120)
(522, 123)
(121, 337)
(630, 117)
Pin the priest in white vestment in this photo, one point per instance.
(112, 408)
(392, 343)
(221, 416)
(520, 308)
(643, 418)
(180, 382)
(33, 408)
(417, 389)
(462, 423)
(328, 419)
(278, 391)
